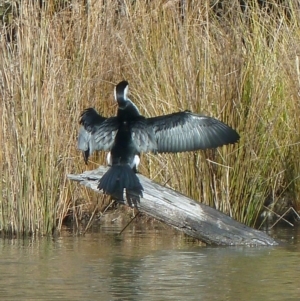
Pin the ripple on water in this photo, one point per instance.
(147, 264)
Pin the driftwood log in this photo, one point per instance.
(195, 219)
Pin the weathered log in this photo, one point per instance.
(195, 219)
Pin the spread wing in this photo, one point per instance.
(96, 132)
(185, 131)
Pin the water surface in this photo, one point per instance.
(147, 263)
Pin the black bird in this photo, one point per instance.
(129, 133)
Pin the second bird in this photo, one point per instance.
(129, 133)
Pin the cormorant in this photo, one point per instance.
(129, 133)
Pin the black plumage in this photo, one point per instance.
(129, 133)
(119, 177)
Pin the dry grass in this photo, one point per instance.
(240, 67)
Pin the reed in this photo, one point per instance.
(241, 67)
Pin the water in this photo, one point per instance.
(146, 263)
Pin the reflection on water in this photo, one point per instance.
(147, 264)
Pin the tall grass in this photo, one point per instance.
(241, 67)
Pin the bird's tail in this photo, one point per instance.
(118, 178)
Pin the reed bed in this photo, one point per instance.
(238, 64)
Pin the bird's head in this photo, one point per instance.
(124, 103)
(121, 92)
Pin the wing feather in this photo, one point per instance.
(185, 131)
(96, 132)
(104, 134)
(143, 136)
